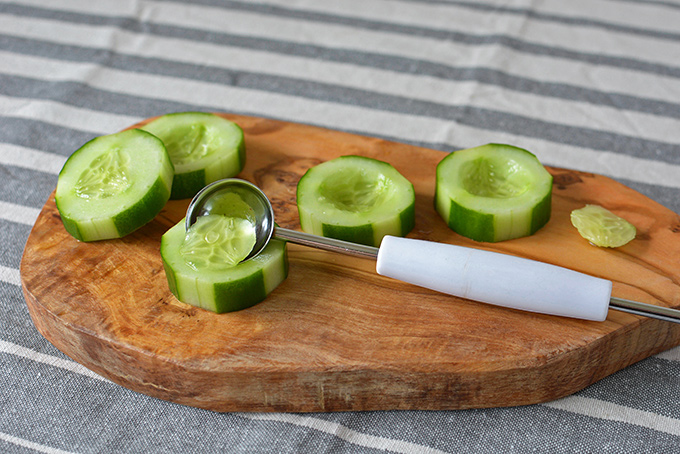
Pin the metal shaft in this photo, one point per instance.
(327, 244)
(644, 309)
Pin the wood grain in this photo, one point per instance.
(335, 336)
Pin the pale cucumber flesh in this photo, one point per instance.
(356, 199)
(106, 176)
(217, 242)
(602, 227)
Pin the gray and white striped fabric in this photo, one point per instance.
(592, 85)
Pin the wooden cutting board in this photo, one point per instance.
(336, 336)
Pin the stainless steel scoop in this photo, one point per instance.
(475, 274)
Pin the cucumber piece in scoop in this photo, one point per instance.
(204, 265)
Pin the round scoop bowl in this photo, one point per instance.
(236, 198)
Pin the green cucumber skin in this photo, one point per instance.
(169, 274)
(227, 296)
(408, 219)
(71, 226)
(143, 211)
(234, 296)
(362, 234)
(481, 230)
(186, 185)
(484, 229)
(365, 234)
(241, 152)
(541, 213)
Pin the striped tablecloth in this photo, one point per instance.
(592, 85)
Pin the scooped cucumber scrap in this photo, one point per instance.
(204, 265)
(203, 147)
(355, 198)
(493, 192)
(602, 227)
(113, 185)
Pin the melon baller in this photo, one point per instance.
(475, 274)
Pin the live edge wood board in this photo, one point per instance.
(335, 336)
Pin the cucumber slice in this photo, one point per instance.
(113, 185)
(493, 192)
(356, 199)
(208, 277)
(203, 147)
(602, 227)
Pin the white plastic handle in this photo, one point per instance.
(495, 278)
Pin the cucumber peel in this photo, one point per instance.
(203, 147)
(357, 199)
(493, 192)
(204, 269)
(113, 185)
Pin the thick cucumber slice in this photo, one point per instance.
(356, 199)
(208, 276)
(493, 192)
(203, 147)
(113, 185)
(602, 227)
